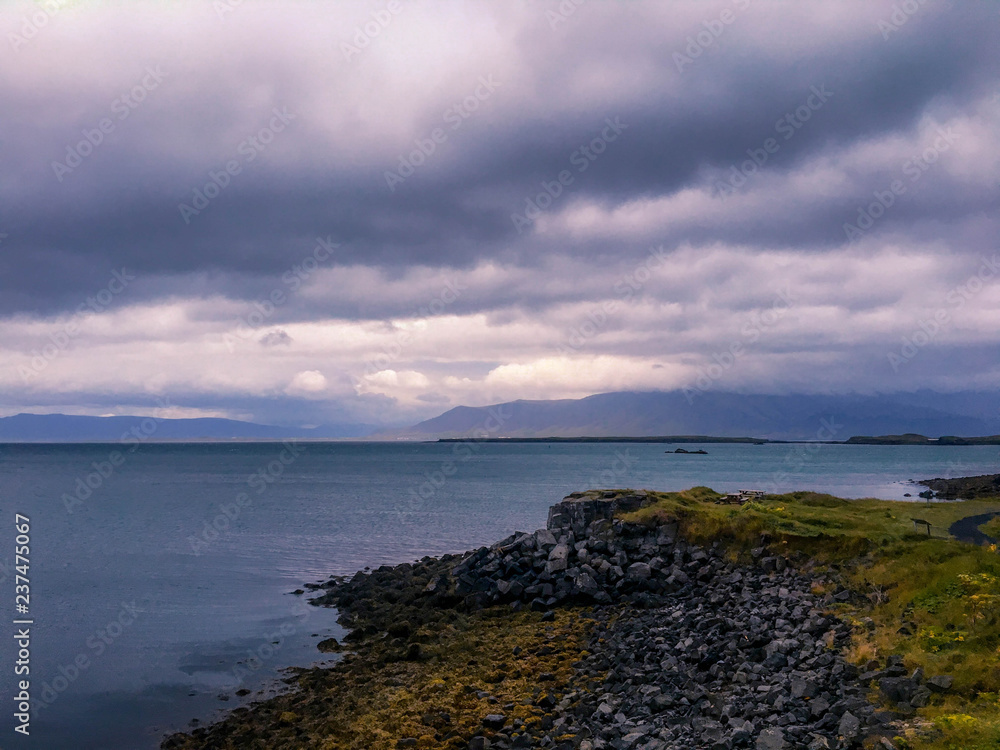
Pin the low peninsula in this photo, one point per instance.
(659, 621)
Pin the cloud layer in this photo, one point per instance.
(301, 212)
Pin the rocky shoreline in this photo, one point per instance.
(695, 651)
(672, 645)
(964, 488)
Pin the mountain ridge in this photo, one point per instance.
(73, 428)
(720, 414)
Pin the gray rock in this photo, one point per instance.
(578, 512)
(771, 738)
(558, 559)
(559, 552)
(545, 538)
(494, 721)
(897, 689)
(638, 571)
(849, 727)
(940, 683)
(586, 584)
(802, 688)
(819, 707)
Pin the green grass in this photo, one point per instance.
(933, 600)
(820, 524)
(991, 527)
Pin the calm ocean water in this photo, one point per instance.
(168, 587)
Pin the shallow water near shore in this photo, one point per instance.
(172, 578)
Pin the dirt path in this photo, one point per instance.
(967, 529)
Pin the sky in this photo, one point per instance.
(307, 213)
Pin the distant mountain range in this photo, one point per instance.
(788, 417)
(63, 428)
(623, 414)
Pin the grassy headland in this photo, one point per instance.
(933, 600)
(423, 672)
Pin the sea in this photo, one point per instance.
(161, 576)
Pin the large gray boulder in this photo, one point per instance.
(940, 683)
(558, 559)
(577, 511)
(849, 727)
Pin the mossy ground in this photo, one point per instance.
(933, 600)
(371, 700)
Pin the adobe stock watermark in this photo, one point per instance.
(914, 168)
(750, 332)
(454, 117)
(31, 25)
(223, 8)
(89, 483)
(957, 468)
(957, 297)
(562, 12)
(60, 340)
(787, 127)
(801, 454)
(259, 482)
(461, 452)
(901, 14)
(581, 158)
(627, 287)
(263, 310)
(365, 33)
(94, 137)
(249, 149)
(621, 466)
(97, 644)
(267, 649)
(393, 351)
(702, 40)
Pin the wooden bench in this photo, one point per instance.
(921, 522)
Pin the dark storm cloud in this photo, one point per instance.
(223, 83)
(236, 213)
